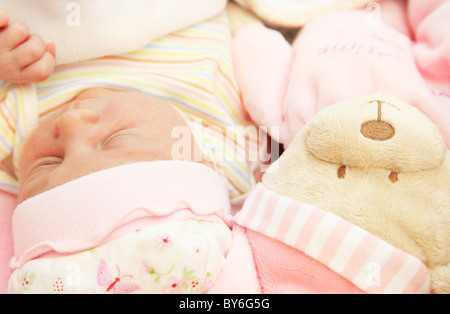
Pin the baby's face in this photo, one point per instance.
(100, 129)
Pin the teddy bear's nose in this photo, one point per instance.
(378, 130)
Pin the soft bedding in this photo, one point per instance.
(7, 205)
(84, 29)
(400, 49)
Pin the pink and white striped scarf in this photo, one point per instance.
(371, 264)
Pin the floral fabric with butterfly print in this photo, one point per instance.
(175, 257)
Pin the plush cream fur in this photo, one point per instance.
(294, 13)
(412, 213)
(238, 16)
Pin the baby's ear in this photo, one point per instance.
(262, 60)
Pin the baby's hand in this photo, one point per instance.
(24, 58)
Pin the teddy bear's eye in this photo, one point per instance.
(393, 177)
(342, 171)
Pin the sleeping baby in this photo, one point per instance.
(127, 167)
(103, 208)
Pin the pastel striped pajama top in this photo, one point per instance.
(191, 69)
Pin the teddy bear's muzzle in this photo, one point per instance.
(375, 131)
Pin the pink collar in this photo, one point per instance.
(94, 209)
(370, 263)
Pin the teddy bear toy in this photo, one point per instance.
(359, 202)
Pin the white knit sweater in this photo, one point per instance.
(86, 29)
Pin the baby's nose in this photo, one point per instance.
(75, 122)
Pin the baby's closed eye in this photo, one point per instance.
(44, 164)
(117, 135)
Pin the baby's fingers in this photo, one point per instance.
(52, 49)
(14, 35)
(4, 19)
(30, 51)
(40, 70)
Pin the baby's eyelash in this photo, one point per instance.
(43, 162)
(48, 161)
(100, 146)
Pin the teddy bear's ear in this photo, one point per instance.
(376, 131)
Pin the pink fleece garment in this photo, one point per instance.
(346, 55)
(98, 208)
(7, 205)
(103, 206)
(285, 270)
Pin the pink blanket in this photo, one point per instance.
(400, 48)
(7, 205)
